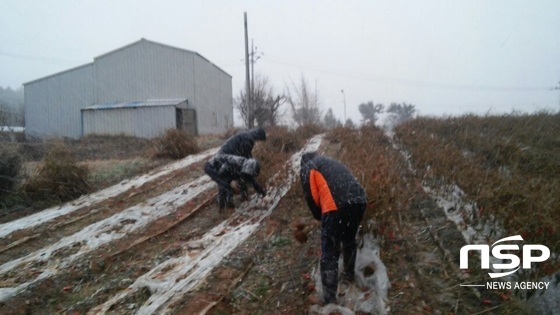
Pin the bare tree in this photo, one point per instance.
(265, 104)
(304, 104)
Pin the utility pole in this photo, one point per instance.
(252, 67)
(254, 59)
(247, 78)
(344, 98)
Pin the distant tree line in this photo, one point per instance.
(11, 107)
(264, 108)
(398, 113)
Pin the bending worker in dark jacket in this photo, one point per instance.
(225, 168)
(242, 143)
(334, 197)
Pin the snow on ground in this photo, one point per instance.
(12, 128)
(352, 298)
(170, 280)
(100, 233)
(454, 202)
(100, 196)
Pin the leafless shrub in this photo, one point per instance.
(280, 139)
(307, 131)
(175, 144)
(10, 166)
(280, 144)
(59, 179)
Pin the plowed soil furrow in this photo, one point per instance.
(128, 263)
(40, 236)
(51, 225)
(53, 259)
(172, 279)
(125, 186)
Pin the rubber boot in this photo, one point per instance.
(349, 260)
(330, 285)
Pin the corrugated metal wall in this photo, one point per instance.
(52, 105)
(140, 71)
(144, 122)
(212, 98)
(145, 70)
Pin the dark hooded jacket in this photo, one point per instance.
(328, 185)
(242, 143)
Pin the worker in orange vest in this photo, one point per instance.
(336, 198)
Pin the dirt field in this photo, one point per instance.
(157, 244)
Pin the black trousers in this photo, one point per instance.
(225, 194)
(338, 235)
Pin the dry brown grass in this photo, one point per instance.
(175, 144)
(10, 167)
(507, 165)
(280, 144)
(380, 169)
(59, 179)
(109, 159)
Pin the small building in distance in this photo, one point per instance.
(141, 89)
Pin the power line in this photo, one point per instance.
(400, 81)
(37, 58)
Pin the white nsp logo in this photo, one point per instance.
(497, 252)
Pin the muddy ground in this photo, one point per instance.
(269, 272)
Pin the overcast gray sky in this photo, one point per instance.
(445, 57)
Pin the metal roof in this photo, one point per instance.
(162, 45)
(59, 73)
(125, 47)
(134, 104)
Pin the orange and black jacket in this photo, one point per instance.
(328, 185)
